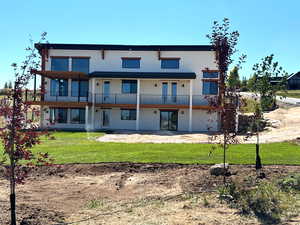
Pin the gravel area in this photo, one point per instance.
(284, 126)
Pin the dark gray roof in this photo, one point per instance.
(126, 47)
(145, 75)
(293, 74)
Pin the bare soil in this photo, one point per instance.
(126, 193)
(284, 125)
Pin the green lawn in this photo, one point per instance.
(291, 93)
(81, 147)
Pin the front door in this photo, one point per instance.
(168, 120)
(105, 118)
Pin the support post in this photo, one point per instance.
(93, 103)
(191, 107)
(86, 117)
(137, 123)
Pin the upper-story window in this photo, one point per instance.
(79, 88)
(59, 87)
(129, 86)
(81, 65)
(60, 64)
(131, 63)
(210, 88)
(170, 63)
(210, 75)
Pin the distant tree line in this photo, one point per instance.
(7, 86)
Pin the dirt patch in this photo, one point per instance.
(284, 126)
(125, 193)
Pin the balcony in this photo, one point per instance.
(115, 98)
(146, 100)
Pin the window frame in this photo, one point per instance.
(210, 82)
(53, 58)
(131, 114)
(59, 87)
(210, 74)
(80, 58)
(164, 66)
(132, 90)
(81, 117)
(79, 90)
(137, 59)
(54, 112)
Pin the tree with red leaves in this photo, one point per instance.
(224, 43)
(19, 134)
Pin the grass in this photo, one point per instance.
(290, 93)
(81, 147)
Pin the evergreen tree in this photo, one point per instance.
(10, 85)
(5, 85)
(233, 81)
(244, 84)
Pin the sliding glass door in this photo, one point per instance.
(168, 120)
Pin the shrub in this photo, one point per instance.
(266, 201)
(291, 182)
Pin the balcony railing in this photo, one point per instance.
(164, 99)
(60, 98)
(145, 99)
(115, 98)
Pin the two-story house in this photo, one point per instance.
(131, 87)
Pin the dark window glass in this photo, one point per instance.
(60, 64)
(81, 65)
(130, 63)
(77, 116)
(169, 63)
(59, 87)
(129, 86)
(210, 75)
(58, 115)
(128, 114)
(79, 87)
(210, 88)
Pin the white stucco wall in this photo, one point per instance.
(190, 61)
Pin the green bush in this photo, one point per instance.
(266, 201)
(291, 182)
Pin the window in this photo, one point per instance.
(129, 86)
(59, 87)
(77, 116)
(128, 114)
(79, 88)
(170, 63)
(60, 64)
(174, 92)
(210, 75)
(210, 88)
(130, 62)
(58, 115)
(81, 65)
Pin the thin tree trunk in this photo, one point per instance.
(224, 158)
(12, 165)
(258, 160)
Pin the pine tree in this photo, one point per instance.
(10, 85)
(233, 80)
(5, 85)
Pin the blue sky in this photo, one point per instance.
(268, 26)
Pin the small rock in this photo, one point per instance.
(218, 169)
